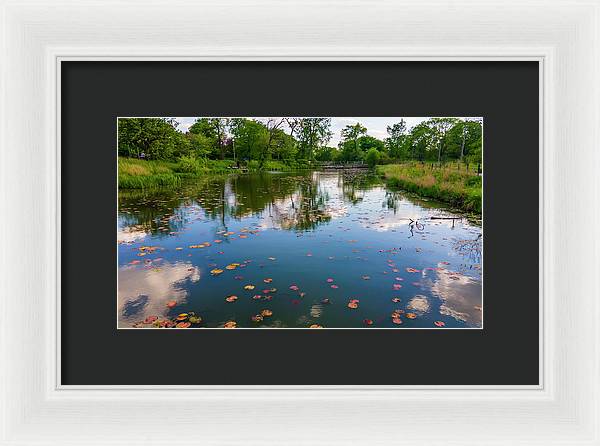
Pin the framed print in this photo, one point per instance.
(319, 224)
(287, 185)
(315, 237)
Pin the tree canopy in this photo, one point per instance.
(434, 140)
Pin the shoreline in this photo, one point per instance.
(456, 188)
(459, 189)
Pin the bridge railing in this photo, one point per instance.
(339, 165)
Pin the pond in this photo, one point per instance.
(295, 250)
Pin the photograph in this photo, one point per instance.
(300, 222)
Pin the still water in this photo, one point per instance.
(295, 250)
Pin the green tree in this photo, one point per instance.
(368, 142)
(349, 145)
(200, 145)
(273, 126)
(251, 138)
(419, 141)
(326, 153)
(440, 128)
(472, 151)
(283, 146)
(215, 130)
(311, 133)
(463, 141)
(396, 142)
(151, 138)
(372, 157)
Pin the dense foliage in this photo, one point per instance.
(292, 140)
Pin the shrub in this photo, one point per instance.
(189, 164)
(372, 157)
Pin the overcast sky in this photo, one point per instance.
(376, 126)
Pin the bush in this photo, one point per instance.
(372, 157)
(190, 165)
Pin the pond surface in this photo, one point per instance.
(330, 249)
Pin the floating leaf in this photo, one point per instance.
(411, 315)
(179, 248)
(367, 322)
(171, 303)
(216, 271)
(272, 258)
(330, 280)
(294, 287)
(316, 326)
(396, 286)
(231, 298)
(266, 313)
(412, 270)
(396, 320)
(396, 299)
(366, 277)
(257, 296)
(195, 319)
(257, 318)
(268, 280)
(230, 324)
(353, 303)
(335, 287)
(325, 301)
(249, 287)
(182, 317)
(439, 324)
(183, 325)
(135, 262)
(150, 319)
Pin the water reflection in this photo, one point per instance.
(461, 296)
(334, 235)
(145, 290)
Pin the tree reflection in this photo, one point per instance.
(297, 201)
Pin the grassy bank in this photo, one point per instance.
(140, 174)
(450, 185)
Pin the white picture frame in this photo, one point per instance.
(562, 35)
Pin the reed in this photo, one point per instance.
(459, 188)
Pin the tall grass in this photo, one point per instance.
(140, 174)
(458, 188)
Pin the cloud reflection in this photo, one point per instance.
(461, 296)
(145, 291)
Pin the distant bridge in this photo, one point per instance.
(341, 166)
